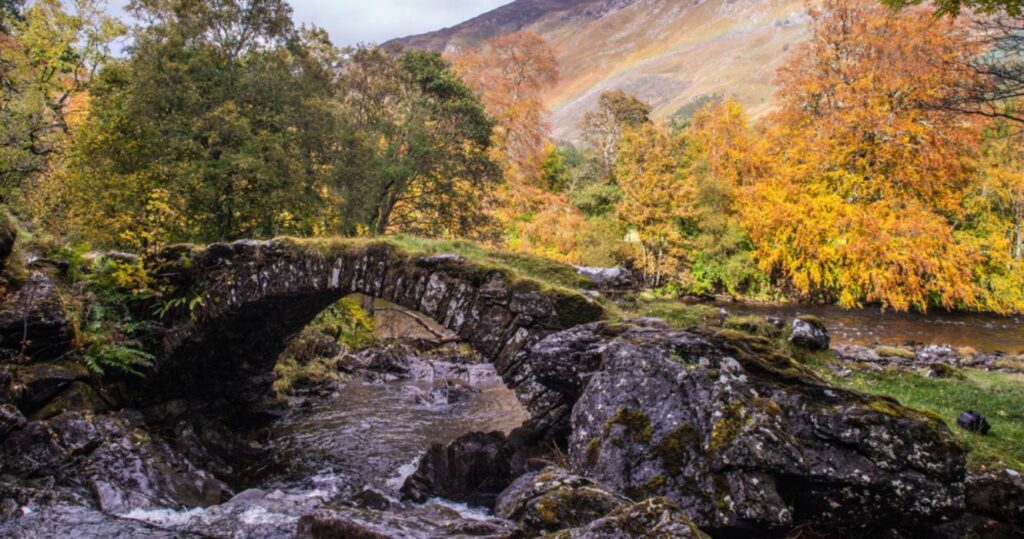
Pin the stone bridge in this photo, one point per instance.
(254, 296)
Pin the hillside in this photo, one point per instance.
(669, 52)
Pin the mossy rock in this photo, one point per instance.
(753, 325)
(945, 371)
(554, 499)
(78, 397)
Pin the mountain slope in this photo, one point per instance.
(669, 52)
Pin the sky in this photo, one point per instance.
(375, 21)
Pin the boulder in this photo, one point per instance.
(653, 518)
(78, 397)
(43, 381)
(473, 469)
(112, 458)
(937, 353)
(998, 495)
(616, 277)
(746, 440)
(554, 499)
(33, 321)
(810, 333)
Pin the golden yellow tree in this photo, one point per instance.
(867, 178)
(657, 196)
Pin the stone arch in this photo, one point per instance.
(256, 295)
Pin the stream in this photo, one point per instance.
(368, 434)
(984, 332)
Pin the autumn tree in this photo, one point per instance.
(994, 225)
(657, 198)
(416, 156)
(511, 73)
(726, 157)
(864, 193)
(603, 127)
(49, 54)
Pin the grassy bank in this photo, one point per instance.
(998, 396)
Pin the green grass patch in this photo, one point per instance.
(676, 313)
(997, 396)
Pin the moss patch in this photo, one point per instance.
(593, 453)
(677, 448)
(635, 423)
(753, 325)
(725, 431)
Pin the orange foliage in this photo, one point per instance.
(511, 73)
(866, 179)
(539, 222)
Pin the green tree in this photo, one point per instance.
(603, 127)
(10, 11)
(955, 7)
(47, 62)
(416, 157)
(223, 105)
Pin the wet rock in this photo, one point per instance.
(446, 393)
(113, 458)
(747, 441)
(473, 469)
(554, 499)
(974, 422)
(426, 521)
(33, 321)
(10, 420)
(42, 381)
(32, 449)
(82, 522)
(78, 397)
(810, 333)
(653, 518)
(371, 498)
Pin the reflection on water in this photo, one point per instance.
(372, 433)
(981, 331)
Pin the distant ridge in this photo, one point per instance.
(672, 53)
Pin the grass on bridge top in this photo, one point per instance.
(521, 265)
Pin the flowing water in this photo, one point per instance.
(983, 332)
(366, 435)
(371, 434)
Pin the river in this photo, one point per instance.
(984, 332)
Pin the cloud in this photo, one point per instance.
(376, 21)
(356, 21)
